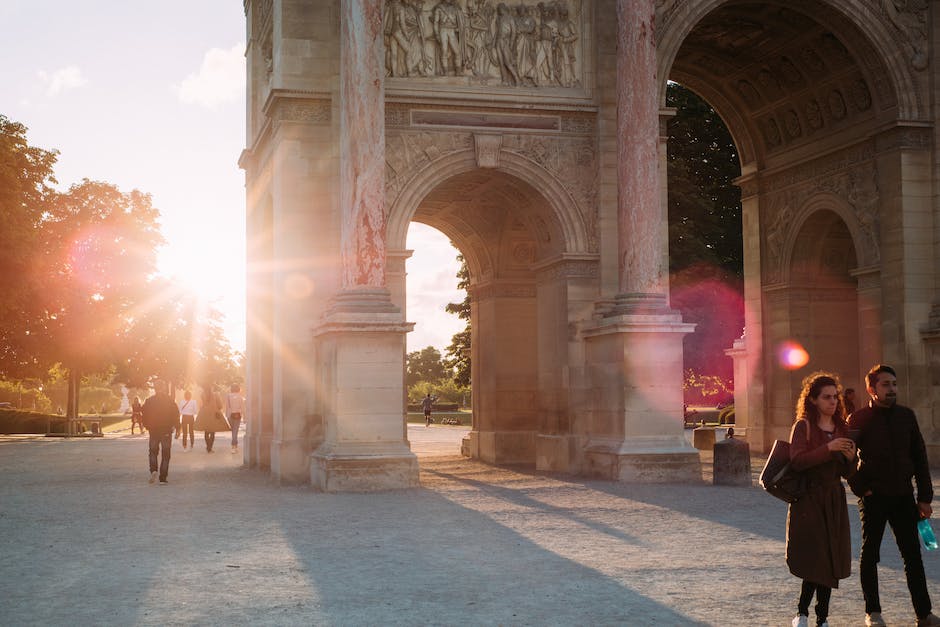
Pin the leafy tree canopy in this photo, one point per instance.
(425, 365)
(705, 232)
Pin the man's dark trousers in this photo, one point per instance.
(901, 513)
(158, 441)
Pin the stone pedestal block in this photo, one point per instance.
(364, 446)
(359, 471)
(553, 453)
(506, 447)
(644, 460)
(703, 438)
(634, 363)
(732, 463)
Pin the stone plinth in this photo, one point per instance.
(637, 429)
(361, 343)
(363, 469)
(732, 462)
(703, 438)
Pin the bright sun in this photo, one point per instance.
(215, 280)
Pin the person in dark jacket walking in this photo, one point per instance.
(160, 415)
(891, 451)
(819, 548)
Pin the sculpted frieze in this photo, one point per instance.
(857, 186)
(568, 269)
(570, 160)
(909, 17)
(316, 110)
(409, 152)
(521, 44)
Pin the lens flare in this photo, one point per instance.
(792, 356)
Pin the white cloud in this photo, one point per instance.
(62, 80)
(220, 79)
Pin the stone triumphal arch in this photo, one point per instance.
(532, 134)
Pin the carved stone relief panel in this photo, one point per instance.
(909, 18)
(781, 211)
(520, 44)
(570, 160)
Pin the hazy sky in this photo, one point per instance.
(150, 96)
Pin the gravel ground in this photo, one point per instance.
(85, 540)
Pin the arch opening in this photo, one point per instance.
(806, 90)
(510, 237)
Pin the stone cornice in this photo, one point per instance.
(502, 289)
(298, 106)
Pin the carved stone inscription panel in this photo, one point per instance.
(519, 44)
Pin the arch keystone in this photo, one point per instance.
(487, 149)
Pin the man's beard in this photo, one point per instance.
(889, 400)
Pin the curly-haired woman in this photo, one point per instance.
(818, 544)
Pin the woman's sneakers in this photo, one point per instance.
(800, 621)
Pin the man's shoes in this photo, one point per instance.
(874, 620)
(153, 476)
(800, 621)
(930, 620)
(163, 482)
(234, 449)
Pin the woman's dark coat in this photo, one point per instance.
(819, 548)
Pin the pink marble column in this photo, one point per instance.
(362, 144)
(642, 227)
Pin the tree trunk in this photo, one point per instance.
(71, 411)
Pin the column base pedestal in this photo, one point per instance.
(555, 453)
(258, 449)
(504, 447)
(363, 472)
(650, 460)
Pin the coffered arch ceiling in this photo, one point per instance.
(501, 224)
(785, 77)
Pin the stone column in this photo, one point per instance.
(642, 225)
(633, 348)
(361, 339)
(742, 379)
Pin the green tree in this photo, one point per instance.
(425, 365)
(98, 253)
(704, 203)
(177, 340)
(705, 231)
(26, 177)
(458, 353)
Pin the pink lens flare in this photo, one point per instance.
(792, 356)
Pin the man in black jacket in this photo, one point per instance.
(160, 416)
(891, 451)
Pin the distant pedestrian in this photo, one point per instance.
(210, 418)
(160, 414)
(819, 548)
(426, 405)
(188, 410)
(848, 399)
(137, 416)
(891, 452)
(234, 409)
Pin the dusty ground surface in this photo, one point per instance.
(85, 540)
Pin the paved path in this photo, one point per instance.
(85, 540)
